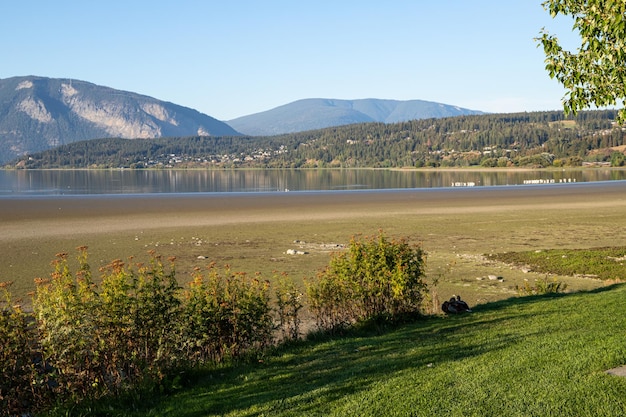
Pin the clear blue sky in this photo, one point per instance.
(231, 58)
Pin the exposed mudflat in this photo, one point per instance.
(253, 231)
(38, 216)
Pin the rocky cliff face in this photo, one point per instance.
(40, 113)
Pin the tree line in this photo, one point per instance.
(535, 139)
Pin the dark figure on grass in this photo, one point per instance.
(455, 306)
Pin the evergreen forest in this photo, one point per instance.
(535, 139)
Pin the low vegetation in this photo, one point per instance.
(375, 278)
(129, 340)
(524, 356)
(601, 263)
(137, 328)
(541, 286)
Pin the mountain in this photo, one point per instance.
(38, 113)
(319, 113)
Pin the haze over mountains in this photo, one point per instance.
(39, 113)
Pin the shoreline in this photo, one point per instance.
(69, 215)
(251, 231)
(88, 183)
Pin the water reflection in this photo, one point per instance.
(174, 181)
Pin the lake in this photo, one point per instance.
(81, 182)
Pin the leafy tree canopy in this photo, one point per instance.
(594, 75)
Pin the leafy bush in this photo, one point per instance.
(139, 321)
(137, 326)
(66, 308)
(100, 342)
(22, 384)
(225, 315)
(134, 329)
(374, 278)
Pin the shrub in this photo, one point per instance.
(542, 286)
(22, 384)
(138, 324)
(85, 341)
(226, 315)
(65, 307)
(101, 342)
(155, 311)
(331, 301)
(374, 278)
(133, 331)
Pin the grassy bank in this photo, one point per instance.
(531, 356)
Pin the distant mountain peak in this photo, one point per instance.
(318, 113)
(37, 113)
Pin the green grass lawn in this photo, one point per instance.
(524, 356)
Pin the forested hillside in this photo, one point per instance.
(524, 139)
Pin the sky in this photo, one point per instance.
(232, 58)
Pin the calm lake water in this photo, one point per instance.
(80, 182)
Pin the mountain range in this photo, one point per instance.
(319, 113)
(39, 113)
